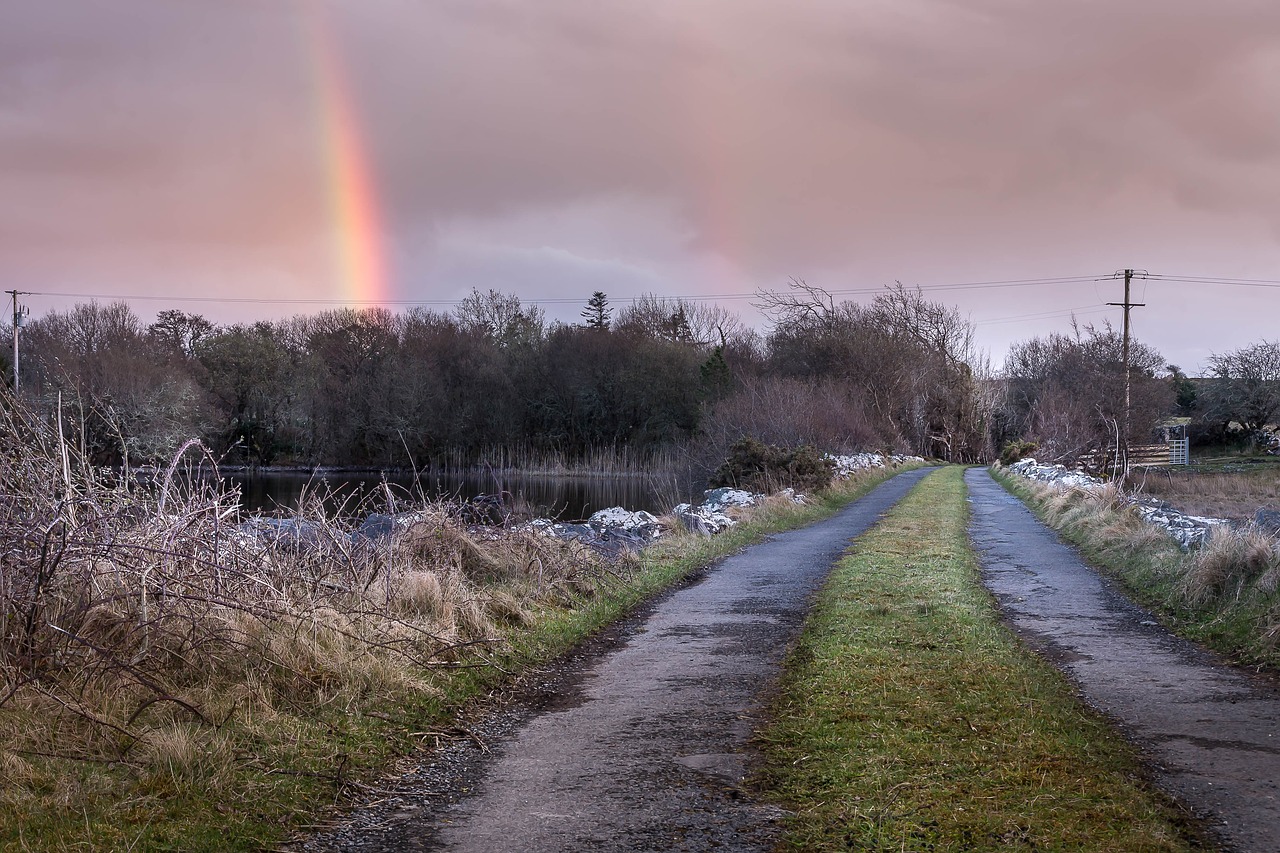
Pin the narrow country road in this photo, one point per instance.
(1212, 733)
(648, 748)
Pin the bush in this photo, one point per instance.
(1016, 451)
(761, 467)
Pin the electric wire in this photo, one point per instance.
(557, 300)
(1044, 315)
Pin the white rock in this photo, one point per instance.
(718, 500)
(617, 518)
(846, 466)
(1055, 474)
(1188, 530)
(702, 520)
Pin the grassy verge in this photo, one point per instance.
(288, 705)
(1225, 594)
(910, 719)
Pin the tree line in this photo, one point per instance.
(493, 379)
(1064, 392)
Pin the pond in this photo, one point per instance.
(561, 497)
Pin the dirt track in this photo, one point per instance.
(1211, 732)
(643, 747)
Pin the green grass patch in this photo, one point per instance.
(909, 717)
(1225, 595)
(257, 777)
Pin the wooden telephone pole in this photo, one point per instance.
(19, 314)
(1127, 305)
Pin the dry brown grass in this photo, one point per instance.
(1233, 495)
(1230, 563)
(136, 622)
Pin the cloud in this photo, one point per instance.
(710, 144)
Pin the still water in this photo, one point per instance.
(562, 497)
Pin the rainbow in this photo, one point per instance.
(351, 188)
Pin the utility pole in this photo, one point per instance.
(19, 314)
(1127, 305)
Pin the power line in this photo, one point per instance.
(1227, 282)
(1043, 315)
(556, 300)
(998, 284)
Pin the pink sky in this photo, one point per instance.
(682, 147)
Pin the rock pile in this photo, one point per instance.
(1187, 530)
(847, 466)
(610, 531)
(709, 518)
(1058, 475)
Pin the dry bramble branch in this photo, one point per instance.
(129, 609)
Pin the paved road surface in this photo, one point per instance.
(648, 748)
(1212, 732)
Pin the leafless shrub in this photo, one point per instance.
(785, 412)
(139, 617)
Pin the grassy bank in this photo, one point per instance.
(910, 719)
(168, 684)
(1225, 594)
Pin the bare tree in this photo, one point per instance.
(1067, 391)
(501, 317)
(1245, 386)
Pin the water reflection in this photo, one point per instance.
(566, 498)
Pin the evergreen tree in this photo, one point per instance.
(597, 311)
(717, 378)
(678, 328)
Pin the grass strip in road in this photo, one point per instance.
(909, 717)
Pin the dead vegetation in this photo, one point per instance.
(147, 634)
(1227, 494)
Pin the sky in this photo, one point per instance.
(250, 159)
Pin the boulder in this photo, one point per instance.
(289, 534)
(610, 532)
(701, 520)
(718, 500)
(487, 510)
(1267, 520)
(378, 527)
(618, 519)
